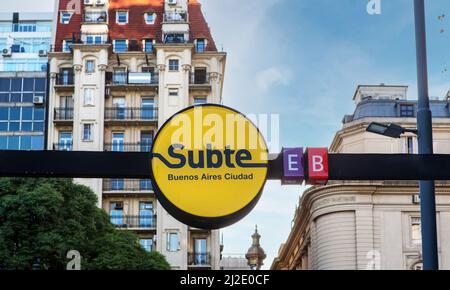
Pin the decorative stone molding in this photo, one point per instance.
(161, 67)
(102, 67)
(78, 68)
(187, 67)
(214, 76)
(53, 75)
(334, 201)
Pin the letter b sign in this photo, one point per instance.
(317, 166)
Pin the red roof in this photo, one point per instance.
(198, 25)
(136, 28)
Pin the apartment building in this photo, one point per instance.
(370, 224)
(118, 71)
(24, 43)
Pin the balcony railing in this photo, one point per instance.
(131, 114)
(134, 222)
(176, 17)
(65, 79)
(63, 146)
(199, 259)
(127, 185)
(128, 147)
(63, 114)
(95, 17)
(199, 79)
(125, 78)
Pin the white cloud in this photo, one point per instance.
(273, 76)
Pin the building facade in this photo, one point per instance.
(24, 43)
(370, 224)
(118, 71)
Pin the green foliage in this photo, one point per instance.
(42, 219)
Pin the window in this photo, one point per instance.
(94, 39)
(147, 244)
(66, 45)
(148, 45)
(173, 242)
(65, 17)
(90, 66)
(200, 76)
(416, 234)
(200, 100)
(87, 132)
(118, 142)
(88, 97)
(146, 215)
(410, 145)
(122, 17)
(200, 45)
(116, 213)
(407, 111)
(147, 107)
(149, 18)
(174, 65)
(65, 141)
(174, 38)
(120, 45)
(173, 92)
(146, 141)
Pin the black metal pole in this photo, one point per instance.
(425, 136)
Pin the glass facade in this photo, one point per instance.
(22, 117)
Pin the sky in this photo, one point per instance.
(303, 60)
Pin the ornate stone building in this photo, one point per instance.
(119, 70)
(370, 225)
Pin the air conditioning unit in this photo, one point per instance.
(7, 52)
(172, 2)
(43, 53)
(88, 2)
(38, 100)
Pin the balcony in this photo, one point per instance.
(63, 115)
(199, 260)
(95, 17)
(199, 80)
(120, 80)
(176, 17)
(127, 185)
(143, 222)
(67, 146)
(126, 115)
(128, 147)
(65, 81)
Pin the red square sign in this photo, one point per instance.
(317, 166)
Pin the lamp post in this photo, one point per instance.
(425, 137)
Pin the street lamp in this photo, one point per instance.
(425, 136)
(391, 130)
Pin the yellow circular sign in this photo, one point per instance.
(209, 166)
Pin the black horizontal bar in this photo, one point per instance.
(73, 164)
(136, 165)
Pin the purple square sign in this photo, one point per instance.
(293, 166)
